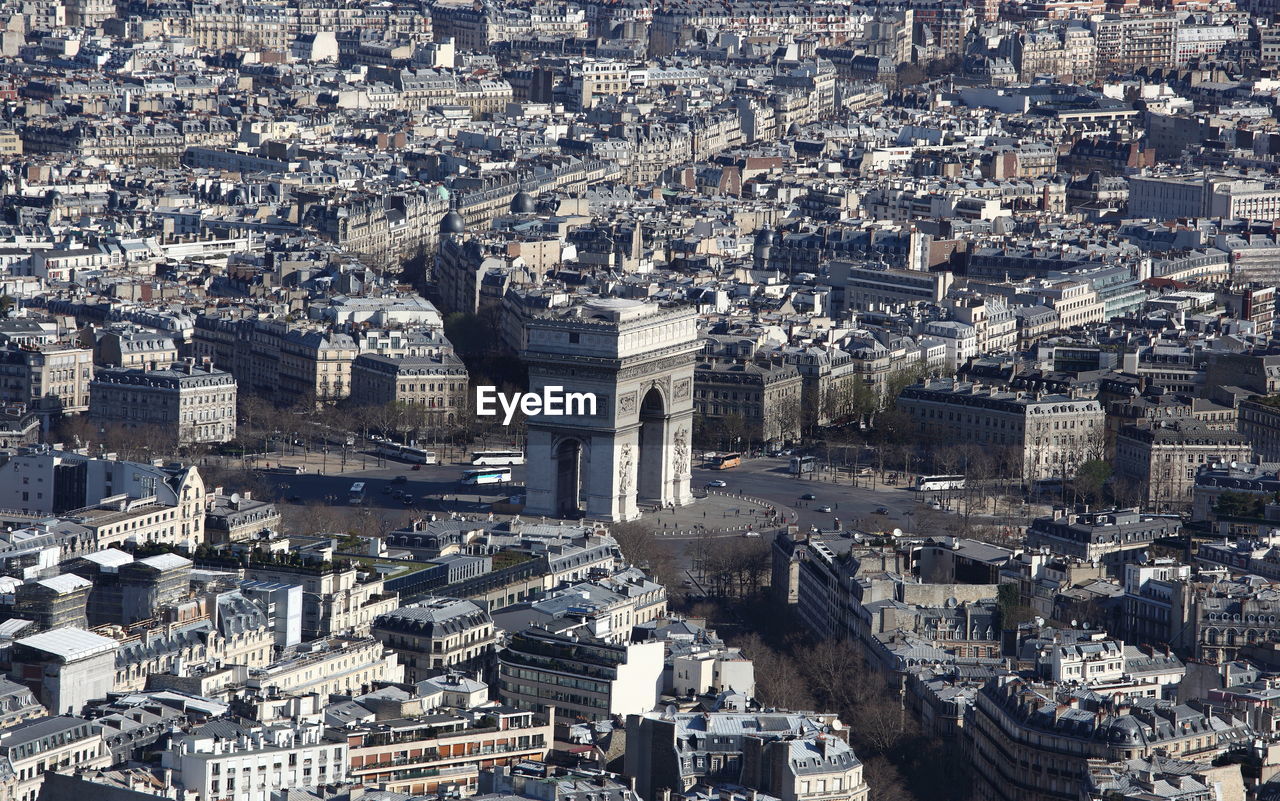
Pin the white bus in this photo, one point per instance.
(492, 475)
(492, 458)
(803, 464)
(357, 493)
(939, 483)
(417, 455)
(406, 453)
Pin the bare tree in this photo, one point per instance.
(884, 782)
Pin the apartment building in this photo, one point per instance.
(185, 403)
(1157, 603)
(237, 517)
(1068, 52)
(1112, 537)
(578, 677)
(869, 288)
(1051, 435)
(446, 750)
(52, 379)
(336, 600)
(134, 347)
(276, 358)
(791, 756)
(828, 378)
(1128, 42)
(1258, 420)
(1161, 460)
(436, 635)
(435, 384)
(748, 401)
(151, 503)
(1231, 619)
(994, 326)
(346, 665)
(226, 628)
(238, 764)
(59, 742)
(1033, 741)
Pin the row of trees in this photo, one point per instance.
(793, 671)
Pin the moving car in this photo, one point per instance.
(399, 480)
(808, 496)
(823, 509)
(716, 483)
(881, 510)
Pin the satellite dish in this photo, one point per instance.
(1074, 623)
(235, 497)
(897, 532)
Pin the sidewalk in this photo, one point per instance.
(874, 481)
(720, 513)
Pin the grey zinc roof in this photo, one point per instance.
(69, 642)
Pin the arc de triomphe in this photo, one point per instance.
(637, 358)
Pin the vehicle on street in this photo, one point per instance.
(801, 465)
(386, 490)
(497, 458)
(406, 453)
(407, 499)
(808, 496)
(399, 479)
(824, 509)
(486, 475)
(356, 495)
(880, 510)
(716, 483)
(725, 461)
(939, 483)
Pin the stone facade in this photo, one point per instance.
(637, 359)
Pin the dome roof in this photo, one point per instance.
(1125, 730)
(765, 237)
(523, 203)
(452, 223)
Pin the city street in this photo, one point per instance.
(769, 479)
(436, 488)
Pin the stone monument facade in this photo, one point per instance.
(637, 359)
